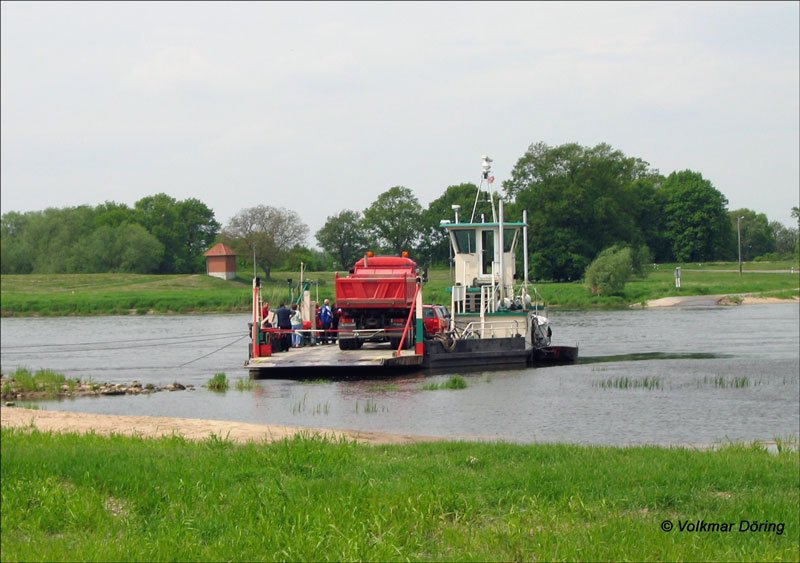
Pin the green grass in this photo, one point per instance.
(733, 382)
(661, 283)
(454, 382)
(383, 387)
(43, 382)
(369, 407)
(124, 294)
(93, 498)
(218, 383)
(244, 384)
(120, 294)
(631, 383)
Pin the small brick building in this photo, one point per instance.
(221, 262)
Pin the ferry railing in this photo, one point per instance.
(480, 329)
(536, 298)
(408, 320)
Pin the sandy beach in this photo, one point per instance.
(717, 299)
(189, 428)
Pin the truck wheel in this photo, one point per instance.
(407, 343)
(348, 344)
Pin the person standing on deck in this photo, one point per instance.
(337, 312)
(297, 324)
(284, 319)
(326, 317)
(266, 322)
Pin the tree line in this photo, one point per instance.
(158, 235)
(579, 200)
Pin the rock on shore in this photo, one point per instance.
(11, 390)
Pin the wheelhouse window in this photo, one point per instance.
(465, 241)
(487, 252)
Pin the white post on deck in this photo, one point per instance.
(525, 255)
(502, 248)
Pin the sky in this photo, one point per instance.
(321, 107)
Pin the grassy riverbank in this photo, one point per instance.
(661, 283)
(122, 294)
(93, 498)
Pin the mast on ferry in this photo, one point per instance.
(485, 177)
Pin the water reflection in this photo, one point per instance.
(650, 356)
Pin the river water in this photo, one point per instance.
(662, 376)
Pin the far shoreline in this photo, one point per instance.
(729, 299)
(724, 300)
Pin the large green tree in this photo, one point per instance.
(579, 201)
(110, 238)
(15, 254)
(344, 237)
(393, 220)
(696, 220)
(269, 232)
(124, 248)
(313, 260)
(185, 228)
(786, 238)
(758, 237)
(435, 247)
(201, 231)
(52, 239)
(113, 214)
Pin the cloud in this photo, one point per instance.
(245, 103)
(173, 68)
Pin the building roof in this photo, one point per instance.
(219, 249)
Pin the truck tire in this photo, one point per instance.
(348, 344)
(407, 343)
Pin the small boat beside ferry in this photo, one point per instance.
(493, 322)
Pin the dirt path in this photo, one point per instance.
(189, 428)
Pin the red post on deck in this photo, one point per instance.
(256, 324)
(408, 321)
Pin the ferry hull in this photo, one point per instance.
(548, 355)
(379, 361)
(488, 353)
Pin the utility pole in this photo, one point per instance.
(739, 232)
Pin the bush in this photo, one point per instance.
(610, 271)
(641, 259)
(218, 383)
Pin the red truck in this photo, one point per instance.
(375, 300)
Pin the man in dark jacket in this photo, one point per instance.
(283, 317)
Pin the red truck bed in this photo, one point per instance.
(376, 292)
(379, 282)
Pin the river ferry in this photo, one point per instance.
(494, 323)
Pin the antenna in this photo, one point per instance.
(486, 166)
